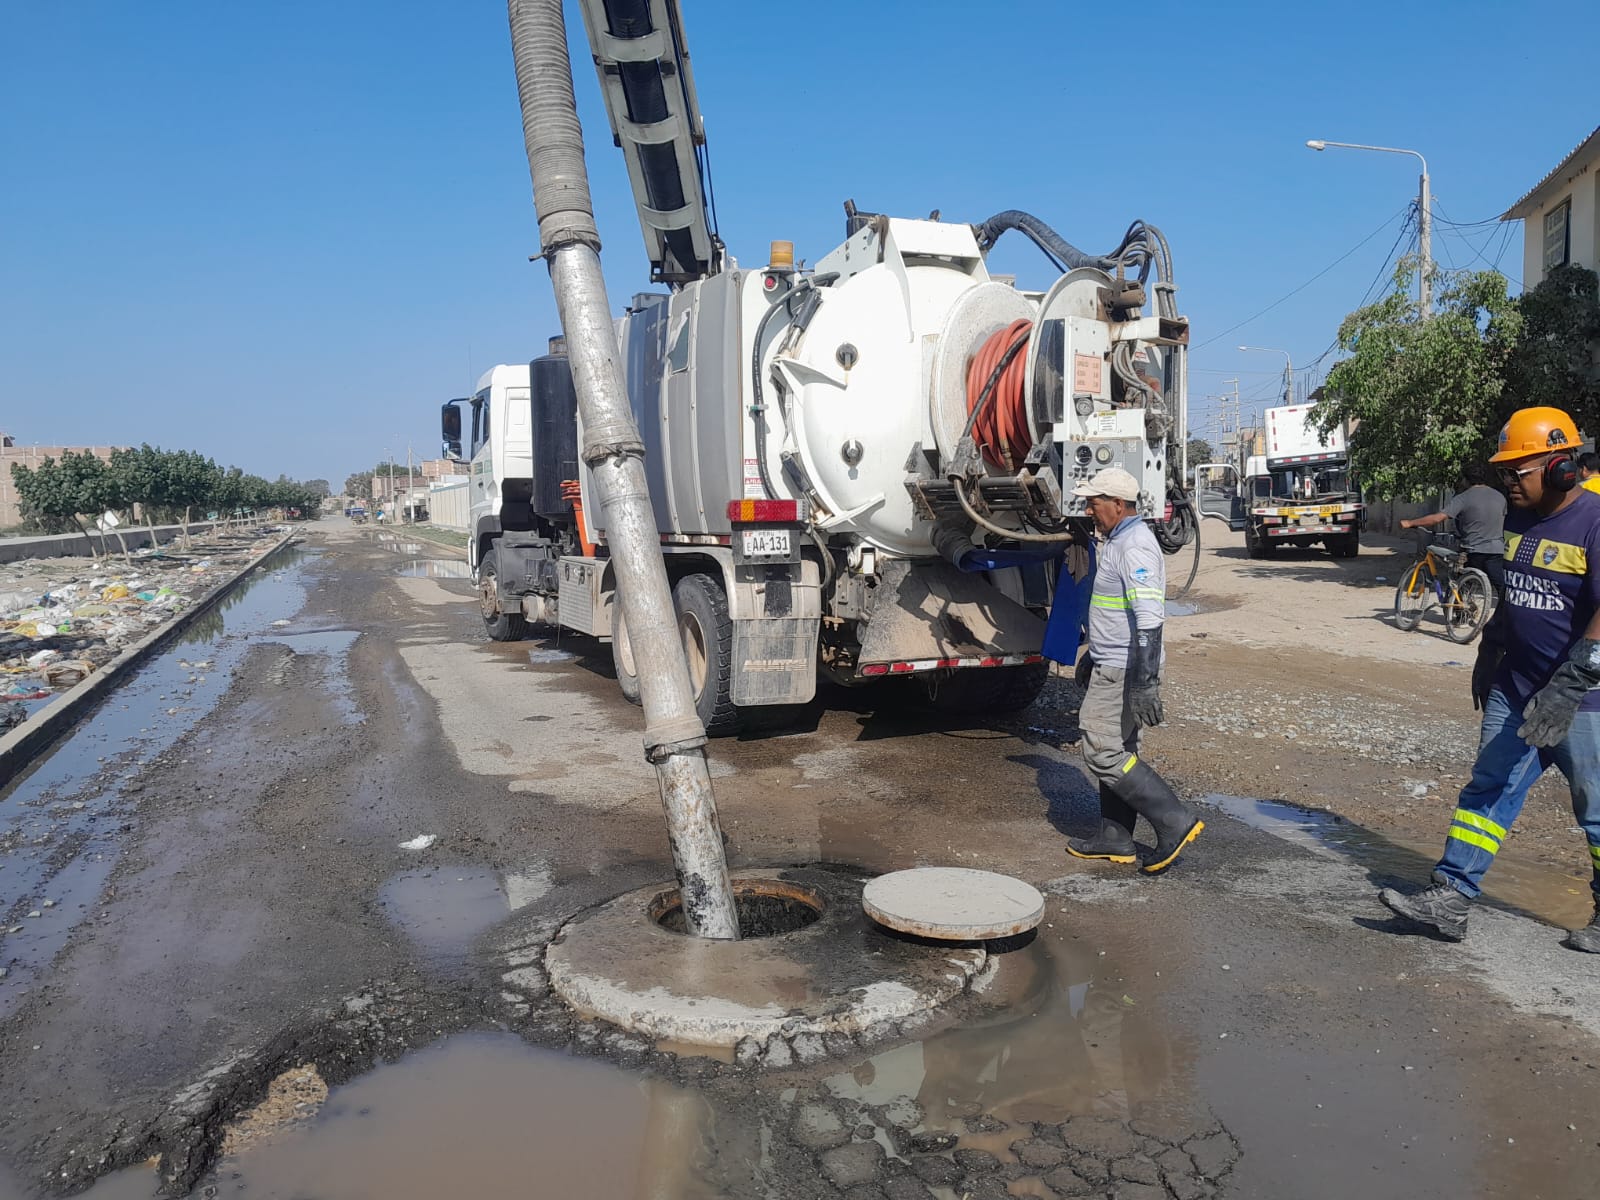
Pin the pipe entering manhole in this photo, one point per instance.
(766, 907)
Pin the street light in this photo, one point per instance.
(1288, 370)
(1424, 214)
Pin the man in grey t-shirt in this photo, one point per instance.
(1480, 516)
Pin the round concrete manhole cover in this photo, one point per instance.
(953, 903)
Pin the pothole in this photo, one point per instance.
(766, 907)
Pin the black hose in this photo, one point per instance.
(1042, 236)
(758, 410)
(1194, 566)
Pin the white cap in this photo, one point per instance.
(1113, 481)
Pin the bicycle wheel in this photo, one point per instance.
(1471, 602)
(1411, 598)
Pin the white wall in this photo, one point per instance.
(448, 504)
(1583, 225)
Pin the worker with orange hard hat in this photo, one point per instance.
(1537, 678)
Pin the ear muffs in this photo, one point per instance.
(1561, 473)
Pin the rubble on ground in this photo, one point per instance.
(62, 619)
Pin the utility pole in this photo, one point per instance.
(411, 512)
(674, 737)
(1424, 215)
(1425, 241)
(391, 484)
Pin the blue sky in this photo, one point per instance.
(282, 234)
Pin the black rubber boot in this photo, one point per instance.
(1114, 842)
(1152, 798)
(1441, 908)
(1586, 939)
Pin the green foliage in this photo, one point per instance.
(1554, 362)
(43, 496)
(359, 485)
(1200, 451)
(1423, 398)
(168, 485)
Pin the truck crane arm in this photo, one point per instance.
(649, 92)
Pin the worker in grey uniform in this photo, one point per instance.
(1123, 695)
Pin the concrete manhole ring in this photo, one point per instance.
(841, 974)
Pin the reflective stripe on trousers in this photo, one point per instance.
(1506, 767)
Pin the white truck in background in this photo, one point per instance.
(1298, 493)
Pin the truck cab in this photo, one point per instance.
(1299, 493)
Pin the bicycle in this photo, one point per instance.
(1441, 575)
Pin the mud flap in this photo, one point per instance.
(774, 661)
(928, 609)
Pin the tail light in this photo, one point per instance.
(748, 512)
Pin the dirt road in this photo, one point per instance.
(208, 1001)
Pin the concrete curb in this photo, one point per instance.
(24, 743)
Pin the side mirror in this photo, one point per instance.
(450, 426)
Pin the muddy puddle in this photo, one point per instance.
(330, 651)
(436, 568)
(62, 822)
(1556, 897)
(444, 909)
(473, 1115)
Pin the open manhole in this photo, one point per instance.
(766, 907)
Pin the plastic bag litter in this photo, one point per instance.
(65, 674)
(92, 610)
(24, 691)
(15, 603)
(421, 842)
(116, 591)
(12, 715)
(41, 658)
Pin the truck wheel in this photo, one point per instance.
(1346, 545)
(707, 634)
(622, 654)
(988, 689)
(501, 626)
(1256, 543)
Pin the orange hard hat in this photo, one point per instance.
(1536, 431)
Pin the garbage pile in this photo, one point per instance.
(63, 619)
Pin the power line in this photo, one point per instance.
(1388, 259)
(1307, 283)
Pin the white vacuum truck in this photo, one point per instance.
(839, 456)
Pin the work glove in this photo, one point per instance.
(1549, 714)
(1490, 653)
(1144, 677)
(1084, 669)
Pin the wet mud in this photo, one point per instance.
(260, 935)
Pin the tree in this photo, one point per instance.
(190, 482)
(58, 493)
(1554, 362)
(1200, 452)
(359, 485)
(318, 488)
(1424, 396)
(43, 498)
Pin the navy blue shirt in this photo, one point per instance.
(1552, 591)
